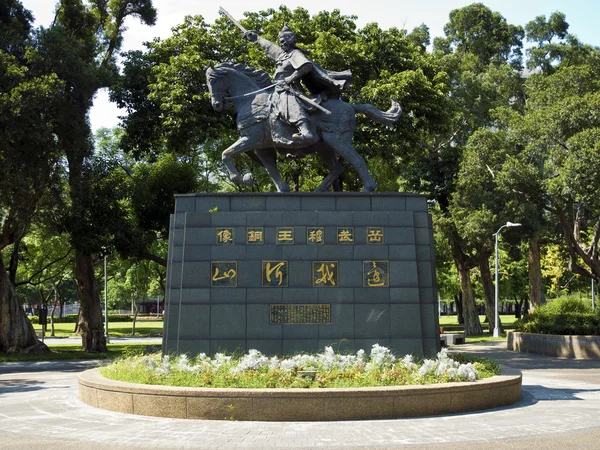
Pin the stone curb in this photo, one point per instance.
(298, 404)
(562, 346)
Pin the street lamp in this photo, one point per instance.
(496, 234)
(106, 301)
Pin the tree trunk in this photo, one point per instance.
(459, 308)
(77, 329)
(16, 331)
(472, 324)
(136, 310)
(488, 294)
(52, 313)
(90, 319)
(536, 287)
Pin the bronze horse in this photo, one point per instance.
(248, 90)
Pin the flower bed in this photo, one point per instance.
(324, 370)
(436, 391)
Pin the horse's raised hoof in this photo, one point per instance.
(370, 188)
(247, 180)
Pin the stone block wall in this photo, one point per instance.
(372, 273)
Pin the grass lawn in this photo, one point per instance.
(68, 351)
(508, 320)
(143, 328)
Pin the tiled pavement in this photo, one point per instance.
(560, 408)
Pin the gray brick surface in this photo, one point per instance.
(196, 275)
(230, 318)
(353, 203)
(264, 218)
(195, 320)
(183, 204)
(403, 274)
(294, 346)
(196, 253)
(205, 204)
(336, 295)
(416, 203)
(228, 219)
(335, 218)
(405, 321)
(228, 295)
(370, 218)
(299, 252)
(318, 203)
(372, 321)
(197, 219)
(283, 203)
(300, 295)
(259, 295)
(190, 296)
(388, 203)
(228, 321)
(258, 323)
(248, 203)
(404, 295)
(400, 236)
(342, 323)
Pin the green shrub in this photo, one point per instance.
(566, 315)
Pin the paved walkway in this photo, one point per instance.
(560, 408)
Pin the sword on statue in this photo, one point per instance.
(298, 94)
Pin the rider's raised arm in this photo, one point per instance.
(272, 50)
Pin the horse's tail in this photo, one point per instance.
(388, 117)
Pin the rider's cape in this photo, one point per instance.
(319, 80)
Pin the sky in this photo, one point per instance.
(582, 16)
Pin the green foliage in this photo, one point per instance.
(565, 315)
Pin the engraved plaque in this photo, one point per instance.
(224, 236)
(300, 313)
(345, 235)
(376, 273)
(223, 274)
(274, 273)
(285, 235)
(255, 235)
(375, 235)
(324, 273)
(315, 235)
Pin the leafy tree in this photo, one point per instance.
(28, 158)
(80, 47)
(164, 88)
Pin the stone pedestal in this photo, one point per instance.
(287, 273)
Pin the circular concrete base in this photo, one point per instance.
(298, 404)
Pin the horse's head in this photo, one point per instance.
(217, 86)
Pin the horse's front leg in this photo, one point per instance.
(268, 157)
(243, 144)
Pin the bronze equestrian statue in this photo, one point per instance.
(278, 117)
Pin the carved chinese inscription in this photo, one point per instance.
(376, 274)
(375, 235)
(285, 235)
(223, 274)
(255, 235)
(224, 236)
(345, 235)
(300, 314)
(325, 273)
(315, 235)
(274, 273)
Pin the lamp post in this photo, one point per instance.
(105, 302)
(496, 234)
